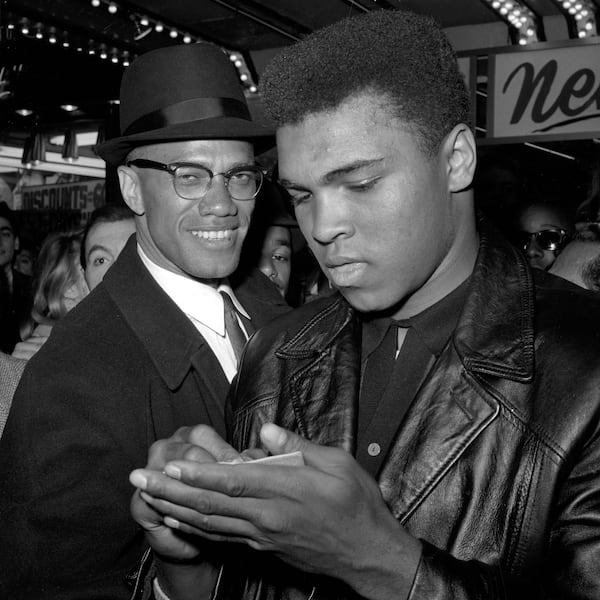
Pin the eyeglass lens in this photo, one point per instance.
(547, 239)
(193, 182)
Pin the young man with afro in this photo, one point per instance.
(445, 402)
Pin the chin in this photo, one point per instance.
(366, 302)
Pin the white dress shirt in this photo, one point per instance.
(203, 305)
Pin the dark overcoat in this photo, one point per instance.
(126, 367)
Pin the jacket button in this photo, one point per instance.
(374, 449)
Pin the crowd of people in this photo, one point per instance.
(348, 378)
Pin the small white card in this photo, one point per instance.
(292, 459)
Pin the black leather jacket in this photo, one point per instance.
(496, 466)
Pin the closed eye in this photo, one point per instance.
(363, 186)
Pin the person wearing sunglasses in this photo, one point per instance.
(156, 343)
(543, 231)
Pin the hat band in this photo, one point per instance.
(196, 109)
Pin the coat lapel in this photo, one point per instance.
(491, 351)
(324, 380)
(206, 386)
(446, 417)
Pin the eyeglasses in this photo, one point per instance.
(192, 181)
(546, 239)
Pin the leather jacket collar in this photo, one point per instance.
(494, 334)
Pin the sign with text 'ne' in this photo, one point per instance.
(83, 196)
(548, 94)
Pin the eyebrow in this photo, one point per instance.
(201, 163)
(337, 173)
(6, 229)
(97, 247)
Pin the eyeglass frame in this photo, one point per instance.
(564, 237)
(171, 168)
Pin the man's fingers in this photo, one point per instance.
(176, 498)
(206, 437)
(200, 443)
(163, 451)
(145, 515)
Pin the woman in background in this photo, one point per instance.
(59, 285)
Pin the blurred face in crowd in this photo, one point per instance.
(579, 262)
(199, 238)
(376, 211)
(103, 244)
(276, 256)
(540, 235)
(24, 262)
(7, 243)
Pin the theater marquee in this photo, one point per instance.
(546, 94)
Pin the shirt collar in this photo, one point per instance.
(199, 301)
(434, 325)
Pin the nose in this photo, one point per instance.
(532, 250)
(217, 200)
(266, 267)
(329, 219)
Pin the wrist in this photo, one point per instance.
(185, 579)
(389, 569)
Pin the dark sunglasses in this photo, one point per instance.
(547, 239)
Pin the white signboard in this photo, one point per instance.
(551, 94)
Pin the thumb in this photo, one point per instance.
(278, 440)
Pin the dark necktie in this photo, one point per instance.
(232, 326)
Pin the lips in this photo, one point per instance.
(345, 272)
(333, 262)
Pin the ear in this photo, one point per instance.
(131, 189)
(461, 157)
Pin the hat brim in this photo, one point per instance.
(115, 150)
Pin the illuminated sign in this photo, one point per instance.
(549, 94)
(84, 196)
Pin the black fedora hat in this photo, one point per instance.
(183, 92)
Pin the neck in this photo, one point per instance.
(456, 267)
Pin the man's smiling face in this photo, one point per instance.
(198, 238)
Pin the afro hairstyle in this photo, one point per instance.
(403, 56)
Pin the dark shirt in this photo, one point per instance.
(389, 384)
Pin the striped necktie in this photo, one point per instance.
(232, 326)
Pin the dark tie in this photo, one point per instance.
(232, 326)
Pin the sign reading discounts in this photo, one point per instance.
(83, 196)
(549, 94)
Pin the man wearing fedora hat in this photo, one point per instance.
(153, 347)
